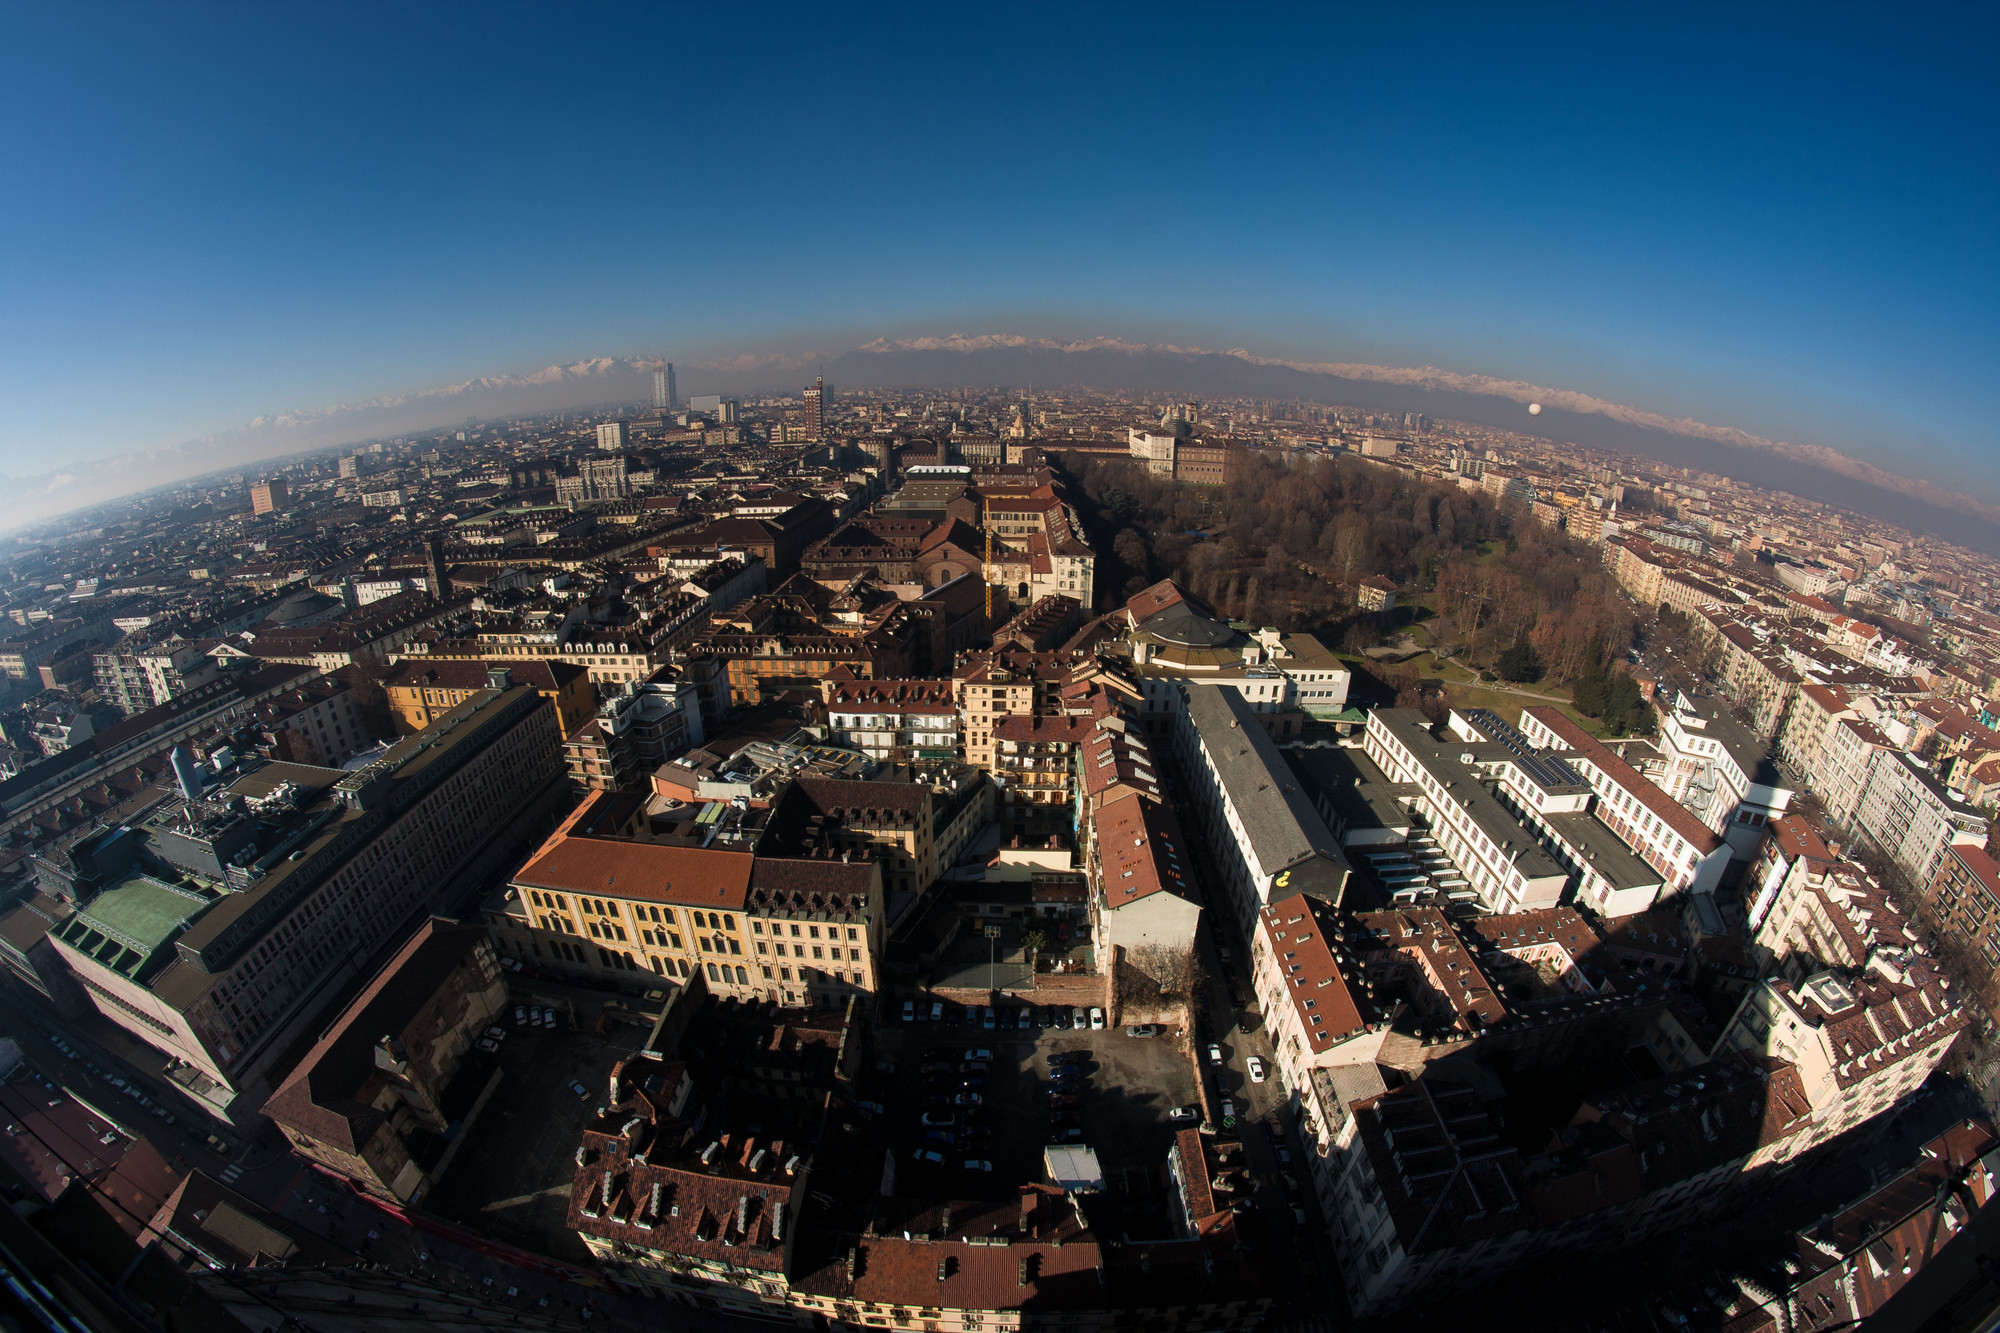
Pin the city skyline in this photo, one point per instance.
(1646, 215)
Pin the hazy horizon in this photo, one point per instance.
(1771, 224)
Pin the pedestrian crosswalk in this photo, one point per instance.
(230, 1172)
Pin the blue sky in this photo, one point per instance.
(1780, 220)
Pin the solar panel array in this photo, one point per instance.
(1545, 769)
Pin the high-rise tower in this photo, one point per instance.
(815, 418)
(665, 396)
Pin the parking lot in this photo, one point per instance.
(511, 1179)
(1123, 1093)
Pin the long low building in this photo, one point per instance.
(1265, 830)
(1664, 833)
(261, 904)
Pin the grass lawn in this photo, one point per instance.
(1509, 706)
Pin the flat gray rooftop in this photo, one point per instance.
(1283, 827)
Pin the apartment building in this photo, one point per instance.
(223, 971)
(1034, 764)
(421, 689)
(1270, 840)
(638, 727)
(316, 722)
(1753, 670)
(988, 686)
(1787, 842)
(136, 676)
(1965, 895)
(799, 921)
(1860, 1046)
(1802, 739)
(704, 1222)
(1829, 917)
(1853, 749)
(891, 721)
(1912, 817)
(1144, 907)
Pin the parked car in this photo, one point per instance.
(1143, 1030)
(497, 1032)
(968, 1099)
(944, 1136)
(1214, 1054)
(1065, 1074)
(1258, 1073)
(1228, 1109)
(1024, 1020)
(1060, 1058)
(971, 1083)
(1070, 1134)
(972, 1067)
(1062, 1100)
(582, 1093)
(871, 1108)
(928, 1157)
(978, 1164)
(937, 1067)
(973, 1134)
(520, 1015)
(972, 1015)
(1060, 1018)
(1185, 1115)
(1298, 1215)
(937, 1010)
(909, 1011)
(1047, 1018)
(487, 1044)
(1079, 1018)
(1284, 1157)
(939, 1119)
(978, 1053)
(1096, 1019)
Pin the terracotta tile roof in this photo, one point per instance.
(902, 696)
(1301, 949)
(1426, 934)
(1794, 838)
(654, 872)
(1522, 930)
(1142, 852)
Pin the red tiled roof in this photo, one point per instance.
(1303, 954)
(1794, 838)
(659, 872)
(1140, 847)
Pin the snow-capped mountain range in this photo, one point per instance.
(1110, 363)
